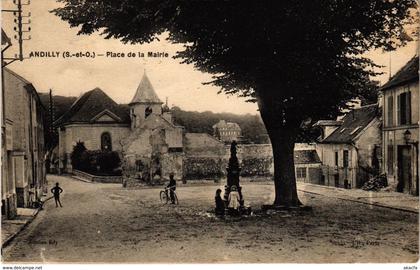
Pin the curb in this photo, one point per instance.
(81, 179)
(13, 236)
(404, 209)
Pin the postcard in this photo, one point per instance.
(210, 132)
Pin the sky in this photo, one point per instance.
(119, 77)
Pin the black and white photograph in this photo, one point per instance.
(178, 132)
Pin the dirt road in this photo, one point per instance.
(106, 223)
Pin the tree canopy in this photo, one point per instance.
(311, 51)
(298, 59)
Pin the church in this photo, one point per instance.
(143, 132)
(147, 139)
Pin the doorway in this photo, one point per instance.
(404, 169)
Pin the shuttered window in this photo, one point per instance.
(345, 158)
(390, 112)
(336, 158)
(404, 108)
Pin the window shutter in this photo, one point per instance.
(390, 111)
(408, 107)
(399, 109)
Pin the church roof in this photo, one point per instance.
(145, 92)
(92, 103)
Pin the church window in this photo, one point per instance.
(106, 142)
(148, 111)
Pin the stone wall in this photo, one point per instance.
(207, 158)
(255, 159)
(203, 167)
(98, 178)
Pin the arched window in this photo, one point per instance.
(106, 142)
(148, 111)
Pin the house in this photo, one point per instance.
(23, 163)
(227, 131)
(350, 149)
(400, 130)
(307, 164)
(8, 189)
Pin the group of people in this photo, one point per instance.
(233, 198)
(233, 202)
(232, 206)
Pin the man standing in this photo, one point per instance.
(172, 186)
(56, 191)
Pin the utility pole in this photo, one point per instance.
(21, 28)
(19, 36)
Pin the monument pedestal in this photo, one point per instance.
(233, 172)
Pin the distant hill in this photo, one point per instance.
(61, 103)
(253, 129)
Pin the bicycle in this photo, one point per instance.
(165, 197)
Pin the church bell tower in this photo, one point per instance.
(144, 103)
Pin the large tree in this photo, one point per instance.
(299, 60)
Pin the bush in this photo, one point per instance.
(95, 162)
(77, 161)
(108, 162)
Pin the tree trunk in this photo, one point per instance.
(282, 127)
(284, 168)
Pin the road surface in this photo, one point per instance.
(107, 223)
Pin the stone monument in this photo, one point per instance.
(233, 171)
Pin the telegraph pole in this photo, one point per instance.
(21, 28)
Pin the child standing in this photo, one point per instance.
(220, 204)
(56, 191)
(234, 199)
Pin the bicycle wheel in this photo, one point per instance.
(176, 198)
(163, 197)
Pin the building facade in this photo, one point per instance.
(350, 149)
(24, 164)
(307, 164)
(227, 131)
(400, 130)
(8, 189)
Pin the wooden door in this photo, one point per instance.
(404, 169)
